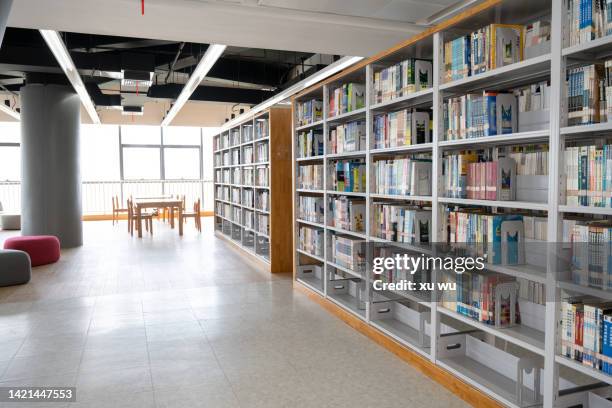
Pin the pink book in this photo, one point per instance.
(491, 193)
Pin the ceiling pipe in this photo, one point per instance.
(176, 57)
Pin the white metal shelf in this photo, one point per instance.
(309, 126)
(346, 193)
(400, 197)
(309, 191)
(312, 224)
(591, 372)
(509, 139)
(347, 232)
(585, 210)
(406, 101)
(402, 333)
(586, 290)
(310, 159)
(308, 254)
(345, 117)
(587, 130)
(346, 155)
(415, 148)
(346, 270)
(589, 50)
(520, 205)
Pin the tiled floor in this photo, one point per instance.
(169, 322)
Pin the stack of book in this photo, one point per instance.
(588, 20)
(404, 78)
(475, 297)
(480, 114)
(455, 171)
(536, 228)
(261, 128)
(347, 214)
(263, 225)
(247, 133)
(235, 157)
(349, 176)
(247, 153)
(310, 177)
(346, 98)
(534, 292)
(586, 94)
(310, 143)
(262, 201)
(589, 175)
(236, 175)
(247, 176)
(235, 137)
(262, 152)
(401, 223)
(311, 240)
(348, 137)
(402, 128)
(262, 177)
(591, 251)
(531, 160)
(348, 252)
(311, 209)
(310, 111)
(226, 194)
(236, 196)
(247, 197)
(586, 333)
(490, 47)
(226, 159)
(403, 176)
(499, 236)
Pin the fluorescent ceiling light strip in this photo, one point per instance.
(212, 54)
(9, 111)
(55, 43)
(326, 72)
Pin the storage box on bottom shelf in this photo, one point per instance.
(596, 397)
(312, 275)
(248, 239)
(236, 232)
(262, 246)
(350, 293)
(406, 323)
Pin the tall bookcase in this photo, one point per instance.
(505, 363)
(252, 167)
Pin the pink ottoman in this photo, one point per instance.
(43, 249)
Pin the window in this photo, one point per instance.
(100, 153)
(149, 135)
(10, 163)
(10, 132)
(182, 163)
(141, 163)
(181, 135)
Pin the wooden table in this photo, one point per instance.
(171, 203)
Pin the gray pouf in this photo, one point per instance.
(10, 221)
(15, 268)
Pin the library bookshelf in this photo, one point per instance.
(252, 161)
(516, 365)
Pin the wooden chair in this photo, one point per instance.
(117, 210)
(146, 217)
(195, 214)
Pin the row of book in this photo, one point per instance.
(589, 175)
(588, 20)
(310, 143)
(480, 114)
(346, 98)
(535, 228)
(499, 236)
(234, 137)
(247, 155)
(310, 177)
(309, 111)
(262, 152)
(349, 176)
(586, 333)
(348, 137)
(402, 128)
(531, 160)
(247, 177)
(311, 209)
(347, 214)
(236, 196)
(403, 176)
(247, 133)
(348, 252)
(263, 224)
(237, 215)
(466, 177)
(534, 292)
(262, 200)
(223, 193)
(236, 173)
(401, 223)
(249, 219)
(261, 128)
(406, 77)
(534, 97)
(475, 297)
(311, 240)
(262, 177)
(591, 251)
(236, 157)
(586, 93)
(248, 198)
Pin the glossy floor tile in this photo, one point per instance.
(167, 322)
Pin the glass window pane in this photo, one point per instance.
(181, 135)
(10, 132)
(141, 163)
(133, 134)
(207, 147)
(10, 163)
(100, 153)
(182, 163)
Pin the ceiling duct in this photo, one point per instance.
(140, 79)
(133, 110)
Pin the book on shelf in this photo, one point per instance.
(530, 291)
(348, 176)
(219, 209)
(249, 219)
(348, 252)
(311, 209)
(346, 98)
(236, 195)
(235, 137)
(261, 152)
(406, 77)
(481, 114)
(236, 215)
(309, 112)
(493, 46)
(227, 210)
(248, 197)
(536, 39)
(310, 240)
(262, 176)
(401, 223)
(591, 253)
(403, 176)
(586, 92)
(247, 133)
(347, 213)
(310, 177)
(227, 176)
(226, 159)
(533, 106)
(247, 155)
(589, 175)
(310, 143)
(499, 236)
(402, 128)
(535, 228)
(224, 140)
(262, 200)
(348, 137)
(261, 128)
(236, 175)
(586, 326)
(588, 20)
(247, 176)
(395, 274)
(263, 224)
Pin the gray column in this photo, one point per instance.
(5, 8)
(50, 168)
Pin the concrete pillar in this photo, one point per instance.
(5, 8)
(50, 167)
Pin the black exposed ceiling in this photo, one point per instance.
(25, 56)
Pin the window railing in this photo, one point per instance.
(97, 195)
